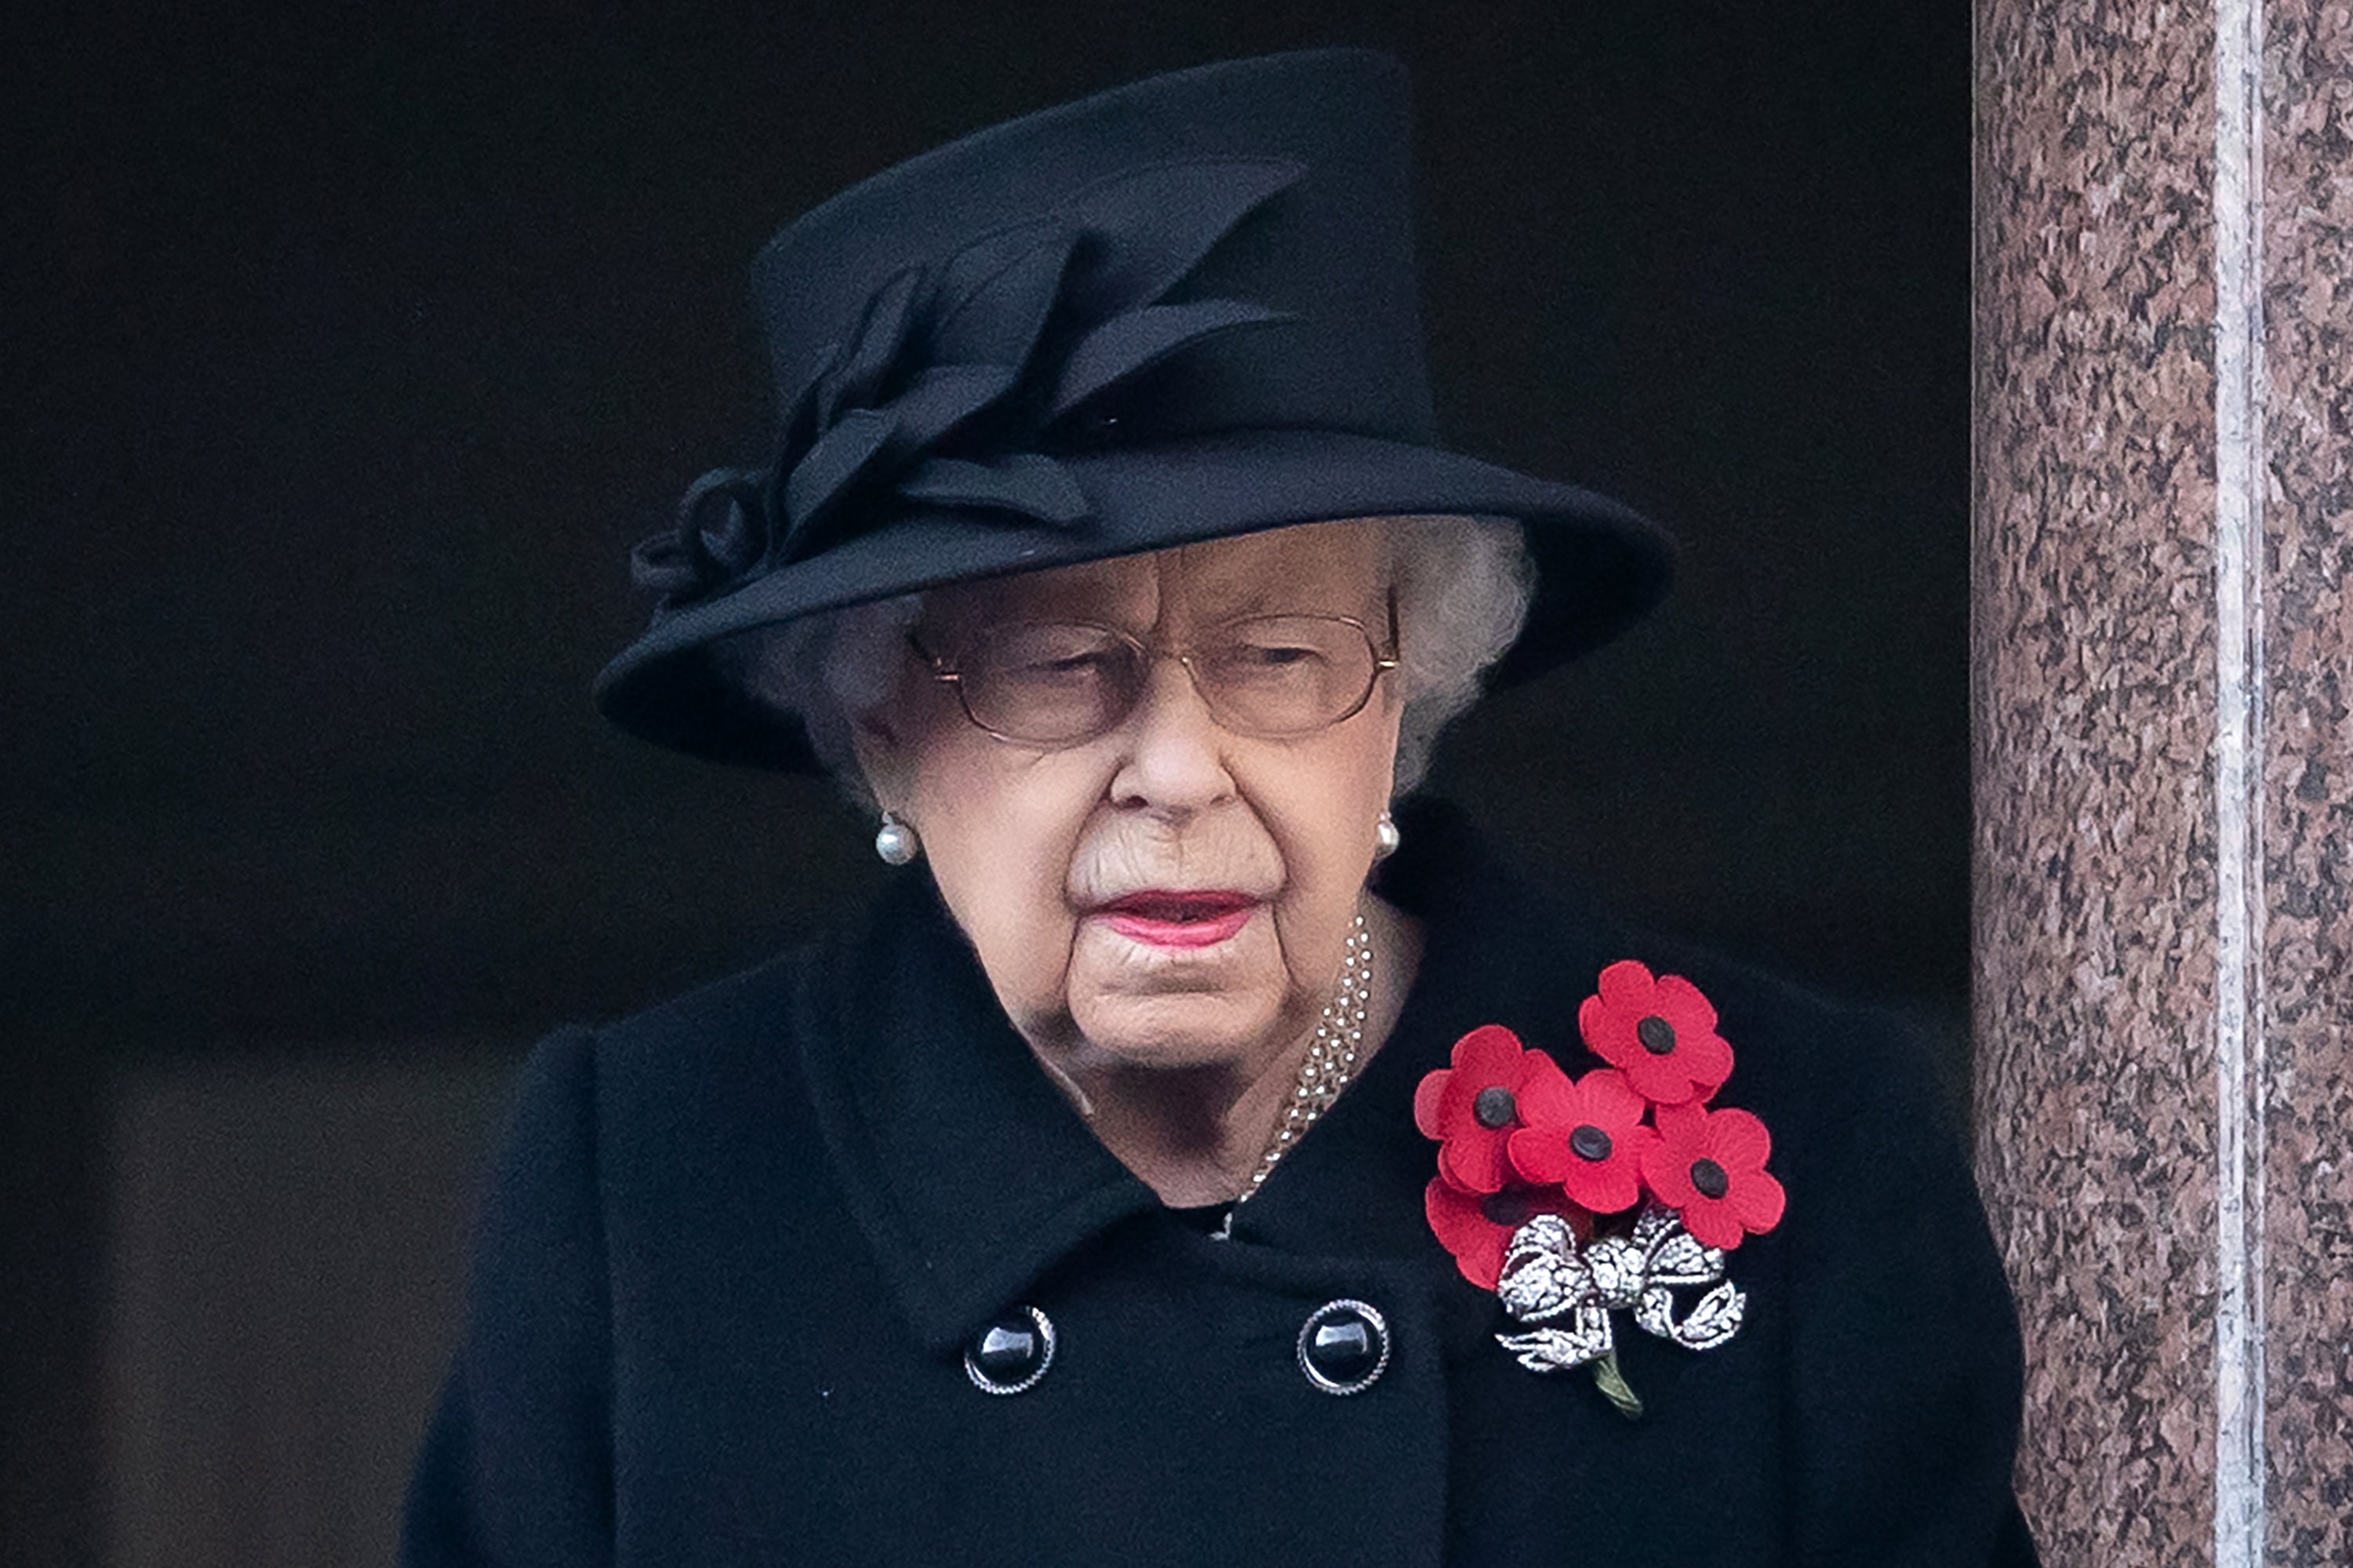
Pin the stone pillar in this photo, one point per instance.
(2164, 764)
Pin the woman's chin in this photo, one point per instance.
(1172, 1031)
(1193, 1005)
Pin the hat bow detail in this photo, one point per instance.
(961, 378)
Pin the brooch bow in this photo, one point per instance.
(1547, 1278)
(1535, 1170)
(962, 377)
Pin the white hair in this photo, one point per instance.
(1462, 586)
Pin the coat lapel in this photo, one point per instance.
(966, 1166)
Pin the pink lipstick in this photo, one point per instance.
(1161, 918)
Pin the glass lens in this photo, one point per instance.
(1065, 682)
(1050, 682)
(1280, 675)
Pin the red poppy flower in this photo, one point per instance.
(1709, 1166)
(1660, 1032)
(1472, 1106)
(1478, 1230)
(1587, 1136)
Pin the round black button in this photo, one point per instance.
(1590, 1143)
(1011, 1354)
(1344, 1347)
(1657, 1035)
(1493, 1108)
(1709, 1180)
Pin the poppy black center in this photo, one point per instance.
(1657, 1035)
(1708, 1177)
(1509, 1208)
(1493, 1108)
(1590, 1143)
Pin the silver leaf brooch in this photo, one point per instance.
(1576, 1199)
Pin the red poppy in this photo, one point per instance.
(1478, 1230)
(1473, 1106)
(1660, 1032)
(1709, 1166)
(1587, 1136)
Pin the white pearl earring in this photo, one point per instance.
(895, 841)
(1386, 837)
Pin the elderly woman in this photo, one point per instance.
(1188, 1160)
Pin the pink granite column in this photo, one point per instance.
(2164, 762)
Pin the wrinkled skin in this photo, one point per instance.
(1182, 1052)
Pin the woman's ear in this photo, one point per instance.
(1392, 710)
(883, 757)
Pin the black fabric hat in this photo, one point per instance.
(1173, 311)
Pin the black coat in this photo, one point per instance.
(736, 1247)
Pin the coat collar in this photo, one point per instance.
(972, 1176)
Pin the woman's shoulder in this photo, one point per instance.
(1840, 1048)
(759, 1008)
(629, 1092)
(1538, 946)
(738, 1053)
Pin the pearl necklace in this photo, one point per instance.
(1325, 1070)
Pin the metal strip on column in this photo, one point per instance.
(2239, 1499)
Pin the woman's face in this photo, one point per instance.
(1169, 895)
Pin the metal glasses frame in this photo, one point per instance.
(943, 670)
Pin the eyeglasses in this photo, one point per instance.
(1065, 682)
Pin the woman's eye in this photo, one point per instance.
(1066, 667)
(1057, 658)
(1267, 661)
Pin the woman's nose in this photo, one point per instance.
(1175, 751)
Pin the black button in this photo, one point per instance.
(1344, 1347)
(1011, 1354)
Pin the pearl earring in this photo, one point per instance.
(1386, 837)
(895, 841)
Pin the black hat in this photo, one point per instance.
(1175, 310)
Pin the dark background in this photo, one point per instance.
(347, 349)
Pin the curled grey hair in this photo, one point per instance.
(1463, 589)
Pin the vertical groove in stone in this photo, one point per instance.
(2307, 786)
(2237, 204)
(2094, 691)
